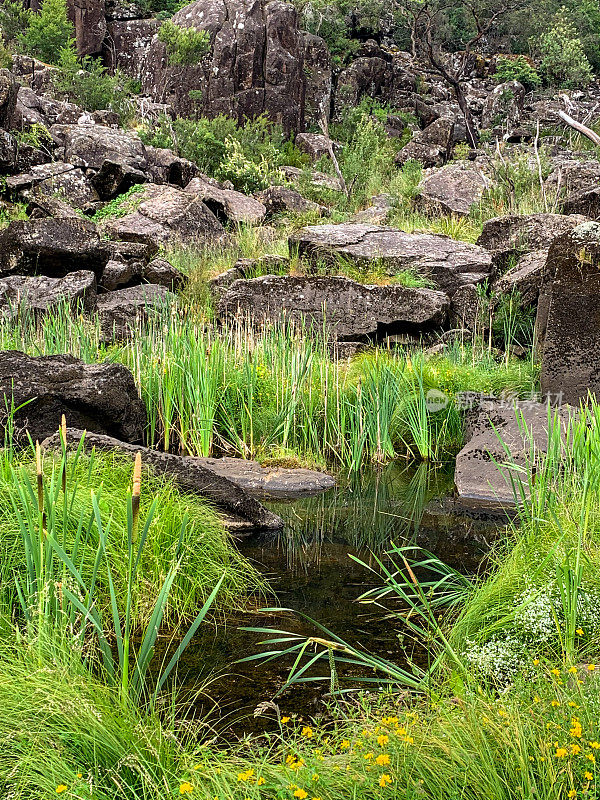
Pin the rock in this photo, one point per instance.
(89, 146)
(255, 64)
(128, 46)
(227, 204)
(453, 189)
(138, 252)
(17, 184)
(465, 310)
(190, 474)
(432, 146)
(52, 247)
(571, 347)
(276, 483)
(449, 263)
(44, 206)
(376, 214)
(102, 398)
(525, 278)
(165, 167)
(8, 152)
(348, 309)
(9, 89)
(115, 178)
(496, 429)
(514, 235)
(166, 214)
(246, 268)
(72, 185)
(220, 283)
(162, 273)
(89, 19)
(118, 274)
(374, 74)
(40, 294)
(317, 73)
(504, 106)
(282, 200)
(315, 145)
(122, 312)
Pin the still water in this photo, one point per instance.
(310, 571)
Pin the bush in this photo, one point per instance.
(14, 19)
(48, 33)
(185, 46)
(564, 62)
(86, 82)
(517, 68)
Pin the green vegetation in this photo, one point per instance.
(517, 68)
(564, 62)
(185, 46)
(46, 34)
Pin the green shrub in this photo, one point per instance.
(48, 33)
(517, 68)
(87, 82)
(247, 175)
(564, 62)
(185, 46)
(368, 160)
(14, 19)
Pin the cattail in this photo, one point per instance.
(40, 482)
(137, 488)
(63, 436)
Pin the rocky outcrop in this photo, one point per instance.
(453, 189)
(514, 235)
(89, 146)
(52, 247)
(259, 62)
(504, 106)
(525, 277)
(101, 398)
(190, 474)
(449, 263)
(571, 347)
(89, 19)
(8, 97)
(348, 310)
(166, 214)
(491, 469)
(282, 199)
(41, 294)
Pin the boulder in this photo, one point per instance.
(453, 189)
(128, 45)
(571, 346)
(349, 310)
(52, 247)
(40, 294)
(166, 214)
(514, 235)
(432, 146)
(9, 89)
(115, 178)
(501, 434)
(122, 312)
(118, 274)
(525, 278)
(89, 146)
(42, 206)
(56, 179)
(190, 474)
(318, 179)
(227, 204)
(162, 273)
(102, 398)
(317, 73)
(165, 167)
(466, 308)
(315, 145)
(282, 200)
(448, 262)
(8, 152)
(504, 106)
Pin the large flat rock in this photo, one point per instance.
(40, 294)
(190, 474)
(349, 310)
(449, 263)
(277, 483)
(454, 189)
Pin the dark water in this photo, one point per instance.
(310, 571)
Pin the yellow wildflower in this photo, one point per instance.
(575, 749)
(561, 752)
(382, 740)
(591, 667)
(555, 704)
(595, 745)
(588, 776)
(245, 776)
(536, 661)
(345, 744)
(382, 760)
(300, 794)
(186, 788)
(573, 669)
(260, 782)
(572, 793)
(368, 756)
(307, 732)
(579, 631)
(555, 671)
(61, 788)
(285, 720)
(384, 780)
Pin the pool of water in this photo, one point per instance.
(309, 568)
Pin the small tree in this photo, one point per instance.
(48, 33)
(14, 19)
(564, 62)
